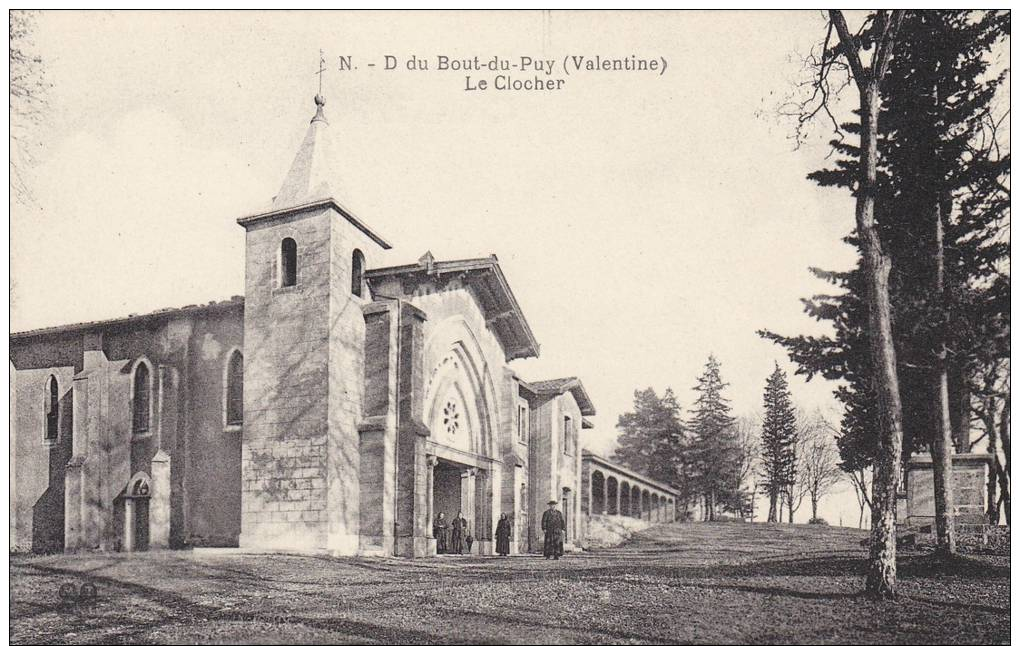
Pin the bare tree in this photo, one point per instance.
(749, 454)
(992, 410)
(859, 478)
(27, 97)
(819, 461)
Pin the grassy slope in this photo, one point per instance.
(679, 583)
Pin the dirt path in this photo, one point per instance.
(679, 583)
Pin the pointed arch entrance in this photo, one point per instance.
(135, 514)
(459, 411)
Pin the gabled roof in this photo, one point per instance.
(502, 313)
(560, 386)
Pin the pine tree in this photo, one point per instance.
(778, 441)
(713, 453)
(651, 437)
(942, 209)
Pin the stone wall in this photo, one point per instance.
(304, 374)
(970, 473)
(284, 448)
(68, 493)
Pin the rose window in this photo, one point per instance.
(451, 418)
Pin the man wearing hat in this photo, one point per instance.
(553, 525)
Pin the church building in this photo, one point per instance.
(338, 406)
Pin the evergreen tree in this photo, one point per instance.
(778, 441)
(651, 437)
(713, 453)
(942, 207)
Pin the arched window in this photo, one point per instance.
(357, 273)
(52, 408)
(288, 262)
(234, 389)
(141, 400)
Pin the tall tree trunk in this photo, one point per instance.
(941, 447)
(881, 581)
(772, 504)
(988, 417)
(790, 506)
(1005, 439)
(814, 506)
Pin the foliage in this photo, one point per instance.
(778, 440)
(713, 451)
(938, 147)
(652, 438)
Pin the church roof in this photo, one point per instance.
(313, 180)
(133, 319)
(312, 176)
(502, 313)
(560, 386)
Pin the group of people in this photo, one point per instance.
(451, 538)
(454, 537)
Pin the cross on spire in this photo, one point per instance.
(319, 99)
(322, 69)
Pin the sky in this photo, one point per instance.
(643, 221)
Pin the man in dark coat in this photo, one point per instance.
(553, 525)
(439, 532)
(458, 532)
(503, 531)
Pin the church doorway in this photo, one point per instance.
(447, 492)
(461, 488)
(135, 516)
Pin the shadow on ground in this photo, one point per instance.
(678, 583)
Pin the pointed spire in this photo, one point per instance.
(312, 175)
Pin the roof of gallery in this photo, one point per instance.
(313, 181)
(572, 385)
(502, 312)
(588, 456)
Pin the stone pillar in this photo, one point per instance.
(74, 508)
(483, 510)
(467, 497)
(585, 493)
(375, 451)
(413, 518)
(159, 502)
(75, 513)
(430, 512)
(129, 525)
(97, 528)
(605, 495)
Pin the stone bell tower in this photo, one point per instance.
(304, 358)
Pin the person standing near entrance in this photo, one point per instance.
(553, 525)
(503, 535)
(439, 532)
(457, 534)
